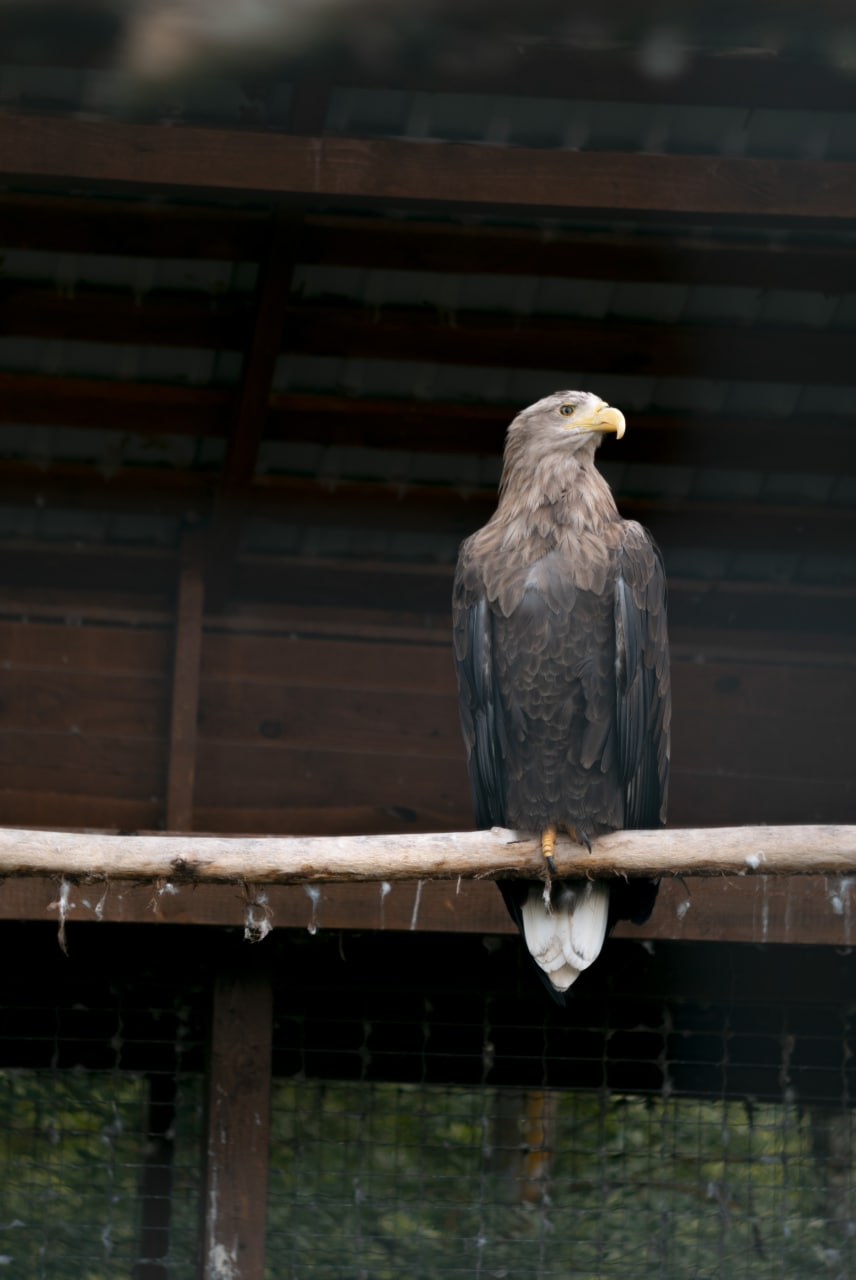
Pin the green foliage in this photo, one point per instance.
(72, 1151)
(380, 1181)
(372, 1182)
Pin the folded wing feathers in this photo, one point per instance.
(567, 936)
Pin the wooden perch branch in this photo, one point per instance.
(715, 851)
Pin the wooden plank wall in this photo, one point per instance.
(328, 734)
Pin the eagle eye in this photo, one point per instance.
(566, 410)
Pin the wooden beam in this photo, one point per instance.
(401, 172)
(181, 771)
(262, 350)
(276, 271)
(715, 851)
(233, 1196)
(754, 909)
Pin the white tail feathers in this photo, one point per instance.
(566, 936)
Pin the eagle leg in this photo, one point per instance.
(548, 844)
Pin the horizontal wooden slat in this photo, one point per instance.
(727, 441)
(78, 810)
(418, 724)
(642, 348)
(674, 523)
(798, 530)
(81, 764)
(132, 706)
(320, 662)
(792, 734)
(719, 795)
(333, 819)
(232, 775)
(328, 597)
(132, 228)
(724, 441)
(72, 648)
(143, 407)
(730, 633)
(164, 318)
(396, 172)
(648, 349)
(675, 257)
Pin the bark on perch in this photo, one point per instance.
(715, 851)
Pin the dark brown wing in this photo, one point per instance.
(643, 702)
(481, 721)
(643, 696)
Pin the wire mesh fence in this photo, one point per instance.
(92, 1185)
(374, 1180)
(100, 1110)
(688, 1115)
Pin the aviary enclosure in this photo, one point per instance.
(268, 305)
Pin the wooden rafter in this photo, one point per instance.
(395, 172)
(276, 270)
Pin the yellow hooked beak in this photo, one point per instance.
(605, 418)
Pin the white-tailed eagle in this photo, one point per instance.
(563, 673)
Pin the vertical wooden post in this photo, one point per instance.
(234, 1183)
(185, 684)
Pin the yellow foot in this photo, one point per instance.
(548, 844)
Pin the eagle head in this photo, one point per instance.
(568, 416)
